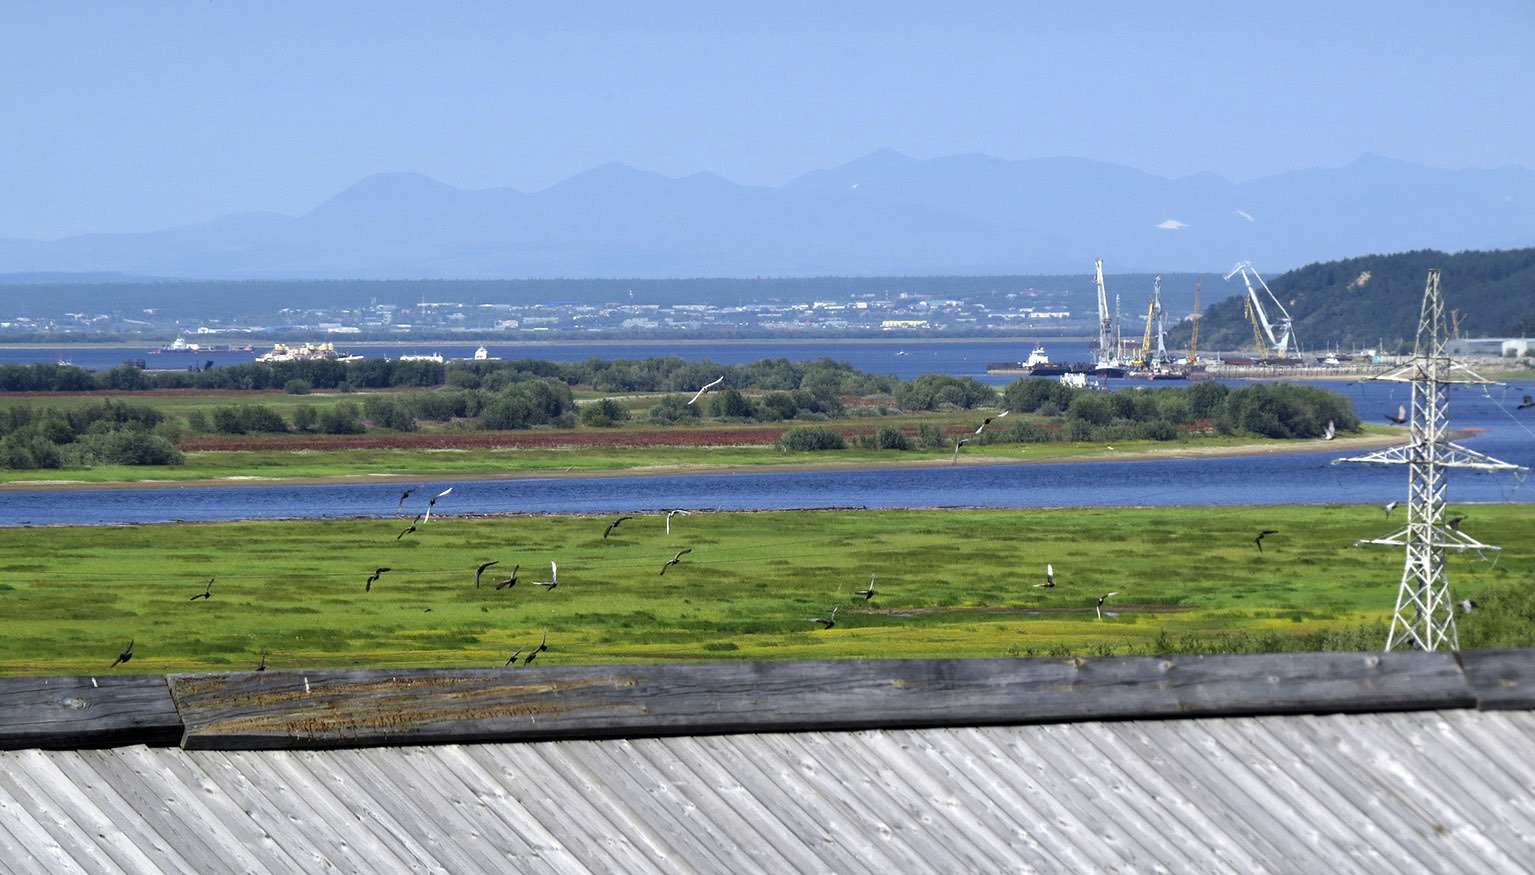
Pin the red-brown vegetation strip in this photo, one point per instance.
(482, 440)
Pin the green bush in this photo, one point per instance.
(811, 438)
(603, 413)
(297, 387)
(891, 438)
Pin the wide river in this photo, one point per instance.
(1501, 431)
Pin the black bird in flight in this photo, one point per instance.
(369, 587)
(207, 592)
(126, 655)
(434, 501)
(510, 581)
(542, 646)
(827, 622)
(1390, 506)
(1101, 599)
(554, 578)
(867, 593)
(957, 445)
(614, 524)
(1259, 540)
(1401, 414)
(262, 666)
(707, 387)
(675, 559)
(1049, 577)
(409, 529)
(1455, 522)
(516, 653)
(1527, 402)
(481, 570)
(404, 495)
(987, 421)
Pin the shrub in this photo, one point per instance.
(604, 413)
(891, 438)
(297, 387)
(810, 439)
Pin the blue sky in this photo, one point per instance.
(144, 115)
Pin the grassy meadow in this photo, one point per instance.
(949, 583)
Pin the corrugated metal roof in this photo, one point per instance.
(1419, 791)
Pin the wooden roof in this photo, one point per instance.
(1400, 761)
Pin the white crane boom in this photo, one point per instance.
(1280, 342)
(1105, 321)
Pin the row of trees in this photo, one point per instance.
(109, 433)
(661, 374)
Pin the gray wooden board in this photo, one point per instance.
(283, 709)
(70, 713)
(1501, 678)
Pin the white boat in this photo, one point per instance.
(434, 357)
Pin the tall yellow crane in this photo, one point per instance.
(1257, 329)
(1194, 337)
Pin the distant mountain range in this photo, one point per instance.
(881, 215)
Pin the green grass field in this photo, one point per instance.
(949, 583)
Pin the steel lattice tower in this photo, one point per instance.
(1425, 614)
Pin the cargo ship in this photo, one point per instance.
(181, 346)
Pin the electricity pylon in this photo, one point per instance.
(1425, 614)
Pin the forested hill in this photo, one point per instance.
(1375, 299)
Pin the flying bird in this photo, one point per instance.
(1259, 540)
(957, 445)
(369, 587)
(1455, 522)
(404, 495)
(1527, 402)
(1467, 606)
(1329, 432)
(434, 501)
(675, 559)
(510, 581)
(516, 653)
(827, 622)
(614, 524)
(542, 646)
(262, 666)
(987, 421)
(1049, 577)
(1101, 599)
(672, 513)
(481, 570)
(867, 593)
(207, 592)
(1390, 506)
(707, 387)
(126, 655)
(1401, 414)
(554, 578)
(408, 529)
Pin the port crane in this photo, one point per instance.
(1154, 323)
(1108, 344)
(1278, 342)
(1194, 335)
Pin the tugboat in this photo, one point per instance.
(1038, 365)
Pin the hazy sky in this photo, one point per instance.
(126, 116)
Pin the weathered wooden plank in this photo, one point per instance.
(1500, 679)
(64, 713)
(381, 707)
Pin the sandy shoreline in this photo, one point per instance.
(1342, 446)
